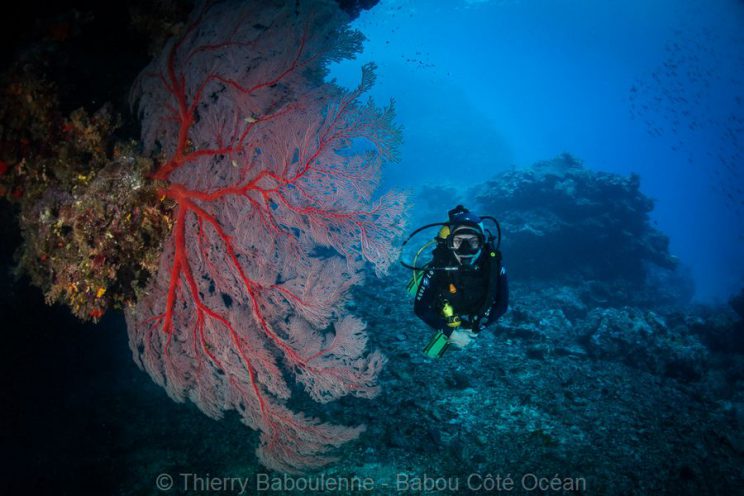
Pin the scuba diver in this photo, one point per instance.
(464, 288)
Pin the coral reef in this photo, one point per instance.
(600, 370)
(95, 245)
(631, 399)
(721, 329)
(642, 339)
(563, 221)
(92, 222)
(634, 400)
(250, 203)
(273, 175)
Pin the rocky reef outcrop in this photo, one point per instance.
(565, 222)
(601, 367)
(632, 399)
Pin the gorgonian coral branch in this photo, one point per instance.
(269, 167)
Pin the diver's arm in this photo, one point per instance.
(427, 304)
(501, 303)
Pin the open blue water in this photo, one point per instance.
(653, 87)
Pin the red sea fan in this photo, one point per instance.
(273, 173)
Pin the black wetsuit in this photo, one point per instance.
(479, 295)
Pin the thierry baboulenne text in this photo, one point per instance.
(404, 482)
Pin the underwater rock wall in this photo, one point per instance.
(564, 222)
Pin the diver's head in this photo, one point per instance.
(466, 236)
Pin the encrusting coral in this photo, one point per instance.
(92, 221)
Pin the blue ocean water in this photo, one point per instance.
(655, 88)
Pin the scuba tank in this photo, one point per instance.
(418, 274)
